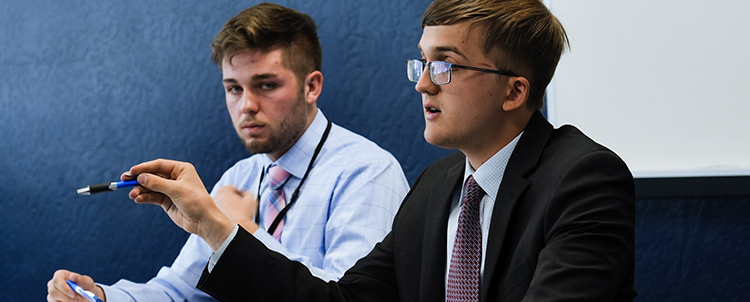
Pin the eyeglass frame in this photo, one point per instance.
(450, 70)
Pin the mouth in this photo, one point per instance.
(429, 108)
(251, 127)
(431, 112)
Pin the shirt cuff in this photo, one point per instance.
(216, 255)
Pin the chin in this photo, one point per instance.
(253, 145)
(434, 140)
(443, 140)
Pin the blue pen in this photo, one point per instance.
(86, 294)
(107, 186)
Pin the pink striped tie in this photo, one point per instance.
(466, 260)
(276, 202)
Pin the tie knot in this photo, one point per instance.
(276, 176)
(472, 192)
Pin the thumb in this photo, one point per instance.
(155, 183)
(74, 277)
(82, 281)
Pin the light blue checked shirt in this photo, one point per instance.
(345, 207)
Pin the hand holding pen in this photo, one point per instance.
(177, 188)
(66, 286)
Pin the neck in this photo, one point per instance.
(310, 117)
(488, 145)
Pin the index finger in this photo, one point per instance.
(127, 176)
(163, 167)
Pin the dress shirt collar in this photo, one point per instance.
(490, 174)
(296, 160)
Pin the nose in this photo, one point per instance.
(425, 85)
(249, 103)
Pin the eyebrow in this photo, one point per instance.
(256, 77)
(443, 49)
(264, 76)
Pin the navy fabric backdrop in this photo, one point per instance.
(90, 88)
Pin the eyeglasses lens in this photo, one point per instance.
(414, 69)
(440, 72)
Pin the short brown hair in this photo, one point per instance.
(268, 27)
(519, 35)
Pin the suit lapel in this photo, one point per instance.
(524, 158)
(435, 232)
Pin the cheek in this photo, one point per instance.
(231, 106)
(480, 102)
(234, 109)
(231, 100)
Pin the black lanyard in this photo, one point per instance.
(295, 195)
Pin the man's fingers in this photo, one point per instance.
(57, 287)
(154, 198)
(141, 190)
(127, 176)
(181, 193)
(165, 168)
(158, 184)
(162, 176)
(154, 166)
(55, 292)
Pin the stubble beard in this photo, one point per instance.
(288, 132)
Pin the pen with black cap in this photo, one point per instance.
(107, 186)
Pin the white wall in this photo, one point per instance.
(662, 83)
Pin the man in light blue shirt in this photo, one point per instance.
(349, 189)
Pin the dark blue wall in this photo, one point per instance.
(693, 249)
(90, 88)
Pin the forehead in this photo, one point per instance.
(255, 61)
(460, 39)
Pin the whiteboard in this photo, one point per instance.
(662, 83)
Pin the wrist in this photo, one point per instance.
(250, 226)
(216, 230)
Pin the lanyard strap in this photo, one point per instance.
(295, 195)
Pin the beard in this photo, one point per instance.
(288, 131)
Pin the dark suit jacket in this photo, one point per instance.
(562, 229)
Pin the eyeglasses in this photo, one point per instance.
(440, 72)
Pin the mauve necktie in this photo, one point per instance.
(466, 260)
(276, 201)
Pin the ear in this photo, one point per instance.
(313, 86)
(518, 94)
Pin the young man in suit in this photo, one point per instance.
(270, 59)
(523, 212)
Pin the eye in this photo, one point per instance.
(267, 86)
(234, 89)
